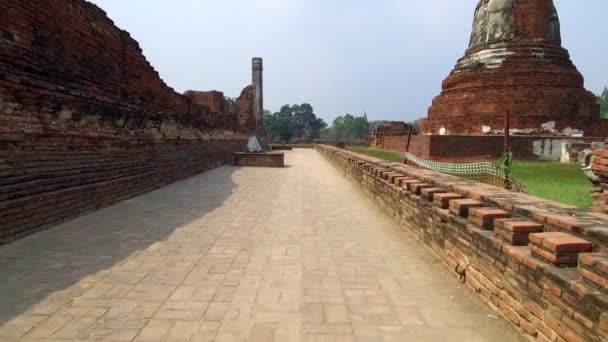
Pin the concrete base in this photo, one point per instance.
(265, 159)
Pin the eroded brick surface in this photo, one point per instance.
(86, 121)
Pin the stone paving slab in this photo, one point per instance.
(237, 254)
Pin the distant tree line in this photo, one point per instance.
(295, 122)
(347, 128)
(299, 122)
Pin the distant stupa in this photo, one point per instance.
(514, 62)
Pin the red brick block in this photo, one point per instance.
(428, 193)
(559, 248)
(443, 200)
(397, 180)
(516, 231)
(519, 225)
(567, 259)
(484, 217)
(406, 183)
(515, 239)
(561, 242)
(461, 206)
(417, 187)
(391, 175)
(384, 174)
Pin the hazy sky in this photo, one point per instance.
(342, 56)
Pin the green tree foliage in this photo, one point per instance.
(348, 128)
(293, 122)
(603, 102)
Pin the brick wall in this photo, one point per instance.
(213, 99)
(471, 146)
(85, 120)
(541, 265)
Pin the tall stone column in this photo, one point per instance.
(258, 102)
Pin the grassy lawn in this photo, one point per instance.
(563, 183)
(382, 154)
(559, 182)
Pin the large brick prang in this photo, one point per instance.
(515, 62)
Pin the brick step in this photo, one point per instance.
(429, 193)
(391, 175)
(443, 200)
(407, 183)
(516, 231)
(593, 267)
(460, 207)
(483, 217)
(416, 188)
(560, 249)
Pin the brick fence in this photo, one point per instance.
(86, 121)
(542, 265)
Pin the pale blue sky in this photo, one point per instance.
(341, 56)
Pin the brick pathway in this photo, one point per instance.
(298, 254)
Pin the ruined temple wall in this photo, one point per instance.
(86, 121)
(464, 224)
(212, 99)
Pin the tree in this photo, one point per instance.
(294, 122)
(602, 100)
(348, 128)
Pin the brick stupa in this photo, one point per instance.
(514, 62)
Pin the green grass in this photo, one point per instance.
(559, 182)
(564, 183)
(394, 157)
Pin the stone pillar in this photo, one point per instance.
(258, 102)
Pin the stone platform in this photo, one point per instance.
(266, 159)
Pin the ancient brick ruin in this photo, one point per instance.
(391, 136)
(87, 121)
(515, 62)
(541, 265)
(599, 169)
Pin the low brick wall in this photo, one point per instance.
(470, 146)
(542, 265)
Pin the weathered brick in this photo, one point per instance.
(443, 200)
(428, 193)
(484, 217)
(416, 188)
(461, 206)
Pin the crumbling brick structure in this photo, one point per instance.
(599, 167)
(391, 136)
(515, 62)
(85, 120)
(213, 99)
(543, 266)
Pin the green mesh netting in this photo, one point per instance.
(497, 174)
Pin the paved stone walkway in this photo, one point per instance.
(294, 254)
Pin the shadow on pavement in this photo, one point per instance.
(44, 266)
